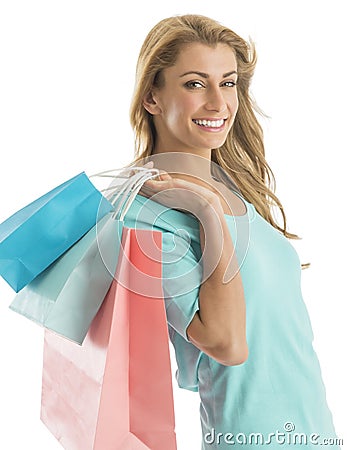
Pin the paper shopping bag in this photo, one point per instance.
(34, 237)
(67, 295)
(115, 391)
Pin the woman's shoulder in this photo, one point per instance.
(144, 212)
(179, 229)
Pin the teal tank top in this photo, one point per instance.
(276, 398)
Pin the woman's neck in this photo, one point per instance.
(183, 164)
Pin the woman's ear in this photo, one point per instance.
(151, 105)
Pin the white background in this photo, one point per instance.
(66, 79)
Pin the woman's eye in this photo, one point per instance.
(194, 85)
(230, 83)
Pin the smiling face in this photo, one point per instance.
(195, 106)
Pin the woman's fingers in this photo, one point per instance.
(177, 193)
(148, 165)
(164, 176)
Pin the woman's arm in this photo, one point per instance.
(219, 327)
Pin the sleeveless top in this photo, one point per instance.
(277, 397)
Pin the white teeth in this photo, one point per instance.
(209, 123)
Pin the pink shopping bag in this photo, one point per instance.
(115, 391)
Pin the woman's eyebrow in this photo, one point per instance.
(205, 75)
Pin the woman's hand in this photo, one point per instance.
(180, 194)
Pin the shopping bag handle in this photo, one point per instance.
(132, 185)
(136, 187)
(110, 173)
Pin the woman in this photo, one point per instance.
(236, 316)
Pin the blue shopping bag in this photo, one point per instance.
(68, 294)
(35, 236)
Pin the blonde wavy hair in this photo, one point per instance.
(242, 156)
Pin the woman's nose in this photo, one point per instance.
(215, 100)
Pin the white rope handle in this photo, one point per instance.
(135, 177)
(109, 173)
(123, 189)
(109, 192)
(136, 188)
